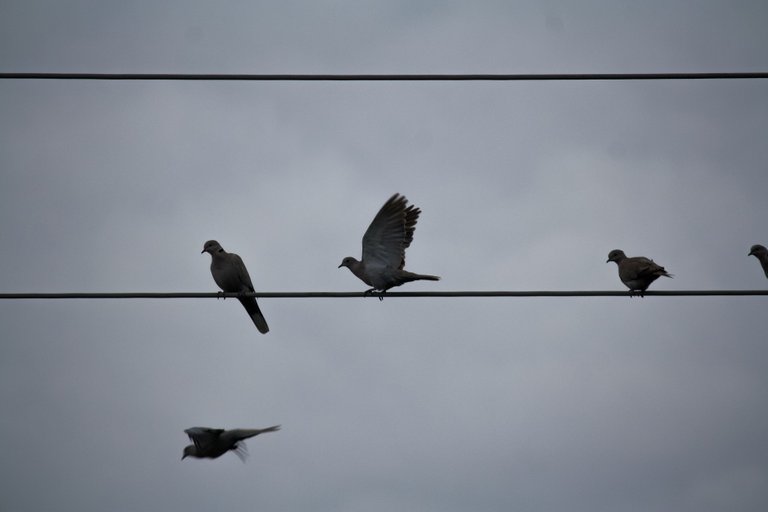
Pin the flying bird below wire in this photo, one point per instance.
(230, 274)
(210, 443)
(761, 253)
(384, 245)
(637, 272)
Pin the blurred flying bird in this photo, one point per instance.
(210, 443)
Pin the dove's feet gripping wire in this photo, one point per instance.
(371, 291)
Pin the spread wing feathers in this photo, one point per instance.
(204, 437)
(411, 216)
(390, 233)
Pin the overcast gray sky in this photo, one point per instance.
(568, 404)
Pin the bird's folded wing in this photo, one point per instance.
(649, 268)
(242, 272)
(637, 268)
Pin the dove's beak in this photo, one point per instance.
(201, 252)
(341, 265)
(751, 253)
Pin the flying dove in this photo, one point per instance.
(230, 274)
(210, 443)
(384, 245)
(637, 272)
(761, 253)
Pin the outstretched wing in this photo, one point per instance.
(390, 233)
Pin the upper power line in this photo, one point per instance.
(373, 77)
(340, 295)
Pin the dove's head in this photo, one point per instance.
(189, 451)
(211, 246)
(348, 262)
(616, 255)
(757, 250)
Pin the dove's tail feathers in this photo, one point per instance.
(261, 322)
(273, 428)
(240, 434)
(252, 307)
(410, 276)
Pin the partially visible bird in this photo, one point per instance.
(230, 274)
(761, 253)
(210, 443)
(637, 272)
(384, 245)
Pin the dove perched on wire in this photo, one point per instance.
(384, 245)
(637, 272)
(210, 443)
(230, 274)
(761, 253)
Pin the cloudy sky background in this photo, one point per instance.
(566, 404)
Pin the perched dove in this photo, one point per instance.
(384, 245)
(637, 272)
(230, 274)
(761, 253)
(210, 443)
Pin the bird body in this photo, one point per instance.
(637, 272)
(210, 443)
(230, 274)
(761, 253)
(384, 244)
(382, 277)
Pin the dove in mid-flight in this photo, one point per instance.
(384, 245)
(210, 443)
(230, 274)
(637, 272)
(761, 253)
